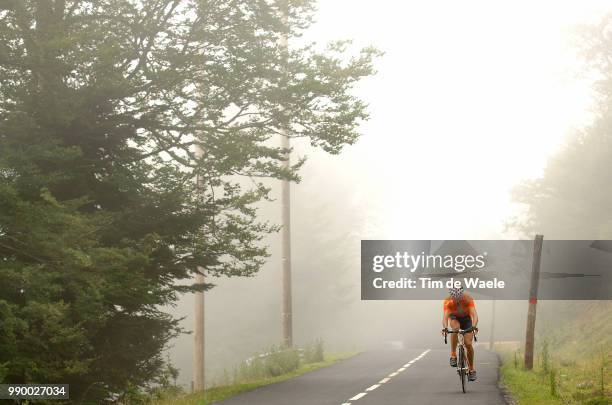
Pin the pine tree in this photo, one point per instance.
(101, 106)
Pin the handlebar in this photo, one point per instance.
(461, 331)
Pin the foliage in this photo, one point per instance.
(214, 394)
(527, 387)
(275, 362)
(278, 361)
(562, 384)
(166, 384)
(545, 356)
(102, 105)
(571, 199)
(572, 362)
(314, 352)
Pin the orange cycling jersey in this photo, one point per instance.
(461, 308)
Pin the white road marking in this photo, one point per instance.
(386, 379)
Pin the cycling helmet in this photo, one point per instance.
(456, 293)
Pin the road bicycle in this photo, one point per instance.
(462, 360)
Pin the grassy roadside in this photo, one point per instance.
(223, 392)
(571, 363)
(561, 382)
(527, 388)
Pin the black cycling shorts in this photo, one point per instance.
(464, 321)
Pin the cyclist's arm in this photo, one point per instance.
(445, 315)
(445, 319)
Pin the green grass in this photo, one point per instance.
(223, 392)
(527, 387)
(576, 382)
(571, 362)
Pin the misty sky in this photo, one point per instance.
(470, 99)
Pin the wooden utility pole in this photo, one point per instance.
(287, 310)
(198, 364)
(533, 300)
(492, 335)
(198, 373)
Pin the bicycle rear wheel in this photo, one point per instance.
(461, 364)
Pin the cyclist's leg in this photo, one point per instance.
(454, 324)
(468, 337)
(466, 323)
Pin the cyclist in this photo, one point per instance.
(460, 309)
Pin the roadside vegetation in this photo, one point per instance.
(273, 366)
(137, 139)
(571, 363)
(571, 200)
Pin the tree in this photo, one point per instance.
(101, 106)
(572, 199)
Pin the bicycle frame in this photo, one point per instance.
(461, 342)
(462, 360)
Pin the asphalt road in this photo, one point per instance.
(390, 377)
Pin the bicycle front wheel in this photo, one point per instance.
(462, 369)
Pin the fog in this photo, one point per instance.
(458, 118)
